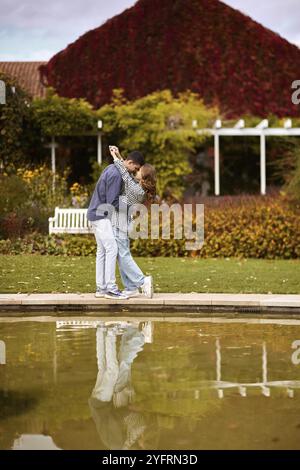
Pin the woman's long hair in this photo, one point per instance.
(148, 182)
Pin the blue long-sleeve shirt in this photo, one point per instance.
(107, 191)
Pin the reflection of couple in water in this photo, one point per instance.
(118, 424)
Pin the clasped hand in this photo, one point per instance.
(114, 152)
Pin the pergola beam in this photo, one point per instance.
(252, 131)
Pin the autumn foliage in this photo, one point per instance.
(202, 45)
(250, 228)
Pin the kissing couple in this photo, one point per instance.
(122, 184)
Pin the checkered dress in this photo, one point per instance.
(132, 192)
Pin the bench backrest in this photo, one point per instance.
(69, 221)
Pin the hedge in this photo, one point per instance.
(255, 230)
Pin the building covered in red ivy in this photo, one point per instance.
(201, 45)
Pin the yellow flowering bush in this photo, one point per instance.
(39, 183)
(79, 195)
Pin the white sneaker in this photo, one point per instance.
(147, 287)
(100, 292)
(131, 293)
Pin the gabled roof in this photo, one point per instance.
(27, 75)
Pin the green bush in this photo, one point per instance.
(27, 200)
(257, 228)
(292, 186)
(13, 193)
(20, 134)
(57, 115)
(13, 201)
(160, 126)
(288, 167)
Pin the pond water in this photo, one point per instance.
(202, 384)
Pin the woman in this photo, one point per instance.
(141, 190)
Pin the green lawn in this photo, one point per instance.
(36, 273)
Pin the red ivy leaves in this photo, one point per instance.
(202, 45)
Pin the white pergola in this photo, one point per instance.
(262, 130)
(53, 146)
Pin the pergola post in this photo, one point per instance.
(2, 92)
(263, 163)
(218, 368)
(2, 353)
(262, 126)
(99, 143)
(54, 357)
(52, 147)
(217, 164)
(218, 125)
(265, 389)
(99, 149)
(53, 162)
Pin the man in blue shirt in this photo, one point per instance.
(105, 199)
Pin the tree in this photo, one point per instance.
(15, 116)
(160, 126)
(58, 116)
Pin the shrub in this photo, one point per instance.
(292, 185)
(258, 228)
(288, 167)
(58, 116)
(39, 185)
(20, 136)
(13, 200)
(13, 193)
(27, 200)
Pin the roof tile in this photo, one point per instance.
(27, 75)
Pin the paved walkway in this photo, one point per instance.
(188, 303)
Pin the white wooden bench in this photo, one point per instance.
(69, 221)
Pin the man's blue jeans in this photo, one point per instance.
(131, 274)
